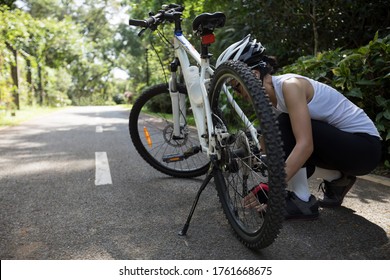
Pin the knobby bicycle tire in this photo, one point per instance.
(151, 128)
(237, 172)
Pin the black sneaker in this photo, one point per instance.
(297, 209)
(335, 191)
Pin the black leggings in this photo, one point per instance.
(351, 153)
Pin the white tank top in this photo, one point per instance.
(330, 106)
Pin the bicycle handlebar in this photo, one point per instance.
(136, 22)
(170, 12)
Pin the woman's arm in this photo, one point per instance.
(294, 92)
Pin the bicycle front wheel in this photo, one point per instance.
(244, 164)
(151, 130)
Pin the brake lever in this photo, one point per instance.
(141, 32)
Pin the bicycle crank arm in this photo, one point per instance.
(179, 157)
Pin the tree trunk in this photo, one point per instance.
(315, 27)
(31, 93)
(15, 76)
(41, 93)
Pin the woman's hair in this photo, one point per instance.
(267, 65)
(272, 62)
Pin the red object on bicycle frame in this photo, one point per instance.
(208, 39)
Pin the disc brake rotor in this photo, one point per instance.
(171, 140)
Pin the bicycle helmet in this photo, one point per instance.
(246, 50)
(250, 52)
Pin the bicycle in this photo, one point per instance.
(198, 126)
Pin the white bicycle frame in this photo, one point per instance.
(196, 80)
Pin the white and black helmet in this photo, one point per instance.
(250, 52)
(247, 50)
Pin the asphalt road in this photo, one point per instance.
(52, 208)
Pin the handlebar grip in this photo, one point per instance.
(136, 22)
(146, 22)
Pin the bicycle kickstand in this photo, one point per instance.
(209, 175)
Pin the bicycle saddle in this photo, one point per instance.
(206, 23)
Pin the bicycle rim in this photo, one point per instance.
(243, 165)
(151, 131)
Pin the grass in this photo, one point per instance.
(24, 114)
(382, 170)
(189, 118)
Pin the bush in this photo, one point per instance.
(363, 75)
(119, 99)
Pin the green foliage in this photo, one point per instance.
(119, 99)
(8, 3)
(361, 74)
(43, 46)
(289, 29)
(13, 34)
(293, 28)
(58, 39)
(160, 104)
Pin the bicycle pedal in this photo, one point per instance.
(179, 157)
(173, 158)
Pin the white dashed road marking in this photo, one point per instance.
(102, 175)
(99, 129)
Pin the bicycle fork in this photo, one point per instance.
(178, 102)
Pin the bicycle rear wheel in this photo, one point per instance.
(243, 164)
(151, 131)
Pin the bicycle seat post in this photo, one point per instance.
(204, 26)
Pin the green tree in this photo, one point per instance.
(42, 43)
(8, 3)
(91, 74)
(293, 28)
(13, 36)
(89, 60)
